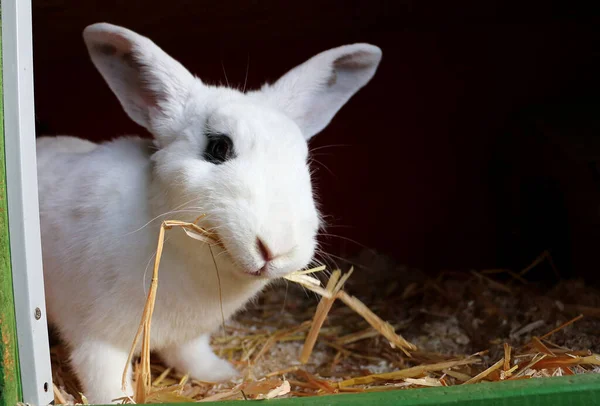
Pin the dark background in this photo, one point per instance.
(475, 145)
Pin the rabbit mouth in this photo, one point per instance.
(217, 242)
(262, 272)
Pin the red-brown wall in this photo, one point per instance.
(456, 155)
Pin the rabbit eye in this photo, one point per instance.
(219, 149)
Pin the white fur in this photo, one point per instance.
(101, 205)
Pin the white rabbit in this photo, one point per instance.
(240, 158)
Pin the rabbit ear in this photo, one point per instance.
(313, 92)
(151, 86)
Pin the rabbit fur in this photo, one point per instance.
(101, 205)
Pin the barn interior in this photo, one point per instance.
(476, 146)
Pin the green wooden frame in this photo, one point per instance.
(563, 391)
(578, 390)
(26, 354)
(10, 378)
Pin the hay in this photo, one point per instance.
(289, 346)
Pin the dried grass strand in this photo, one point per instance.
(562, 326)
(485, 373)
(319, 318)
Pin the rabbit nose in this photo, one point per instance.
(264, 250)
(267, 252)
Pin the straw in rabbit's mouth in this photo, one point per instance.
(215, 241)
(213, 238)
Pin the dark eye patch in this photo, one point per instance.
(219, 149)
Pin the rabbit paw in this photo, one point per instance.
(197, 359)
